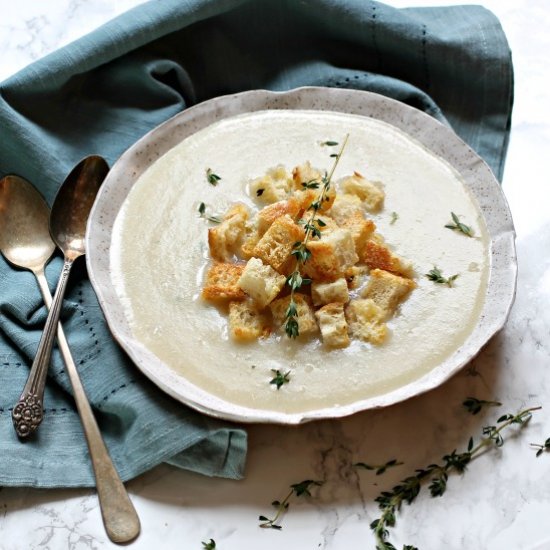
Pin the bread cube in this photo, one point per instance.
(360, 228)
(366, 321)
(268, 214)
(387, 290)
(222, 282)
(305, 175)
(305, 317)
(330, 256)
(326, 293)
(247, 322)
(368, 192)
(278, 241)
(261, 282)
(274, 186)
(333, 325)
(224, 239)
(346, 206)
(354, 275)
(377, 255)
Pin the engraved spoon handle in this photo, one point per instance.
(119, 515)
(28, 413)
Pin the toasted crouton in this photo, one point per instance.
(333, 325)
(326, 293)
(222, 282)
(246, 322)
(345, 206)
(224, 239)
(261, 282)
(377, 255)
(331, 256)
(366, 321)
(355, 274)
(268, 214)
(277, 242)
(360, 229)
(305, 317)
(274, 186)
(386, 290)
(249, 242)
(304, 176)
(368, 192)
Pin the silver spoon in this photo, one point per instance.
(26, 243)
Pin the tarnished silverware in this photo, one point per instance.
(25, 242)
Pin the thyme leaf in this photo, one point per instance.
(211, 545)
(379, 469)
(436, 276)
(212, 178)
(474, 405)
(394, 217)
(541, 447)
(297, 489)
(330, 143)
(280, 379)
(459, 226)
(203, 214)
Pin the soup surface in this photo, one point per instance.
(160, 252)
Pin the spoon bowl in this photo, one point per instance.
(24, 218)
(73, 203)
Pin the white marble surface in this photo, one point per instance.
(501, 503)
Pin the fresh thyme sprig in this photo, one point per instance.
(211, 545)
(300, 250)
(212, 178)
(474, 405)
(407, 490)
(379, 469)
(298, 489)
(459, 226)
(280, 379)
(436, 276)
(541, 447)
(203, 214)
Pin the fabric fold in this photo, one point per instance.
(101, 93)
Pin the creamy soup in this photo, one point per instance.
(160, 253)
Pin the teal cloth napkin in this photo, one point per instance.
(103, 92)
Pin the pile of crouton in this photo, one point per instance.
(357, 282)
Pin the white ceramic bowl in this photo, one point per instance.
(440, 139)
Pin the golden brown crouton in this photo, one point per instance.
(278, 241)
(304, 176)
(333, 325)
(330, 256)
(268, 214)
(326, 293)
(246, 322)
(224, 239)
(274, 186)
(305, 317)
(386, 290)
(368, 192)
(377, 255)
(360, 229)
(366, 321)
(222, 282)
(261, 282)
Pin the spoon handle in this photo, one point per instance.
(119, 515)
(28, 413)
